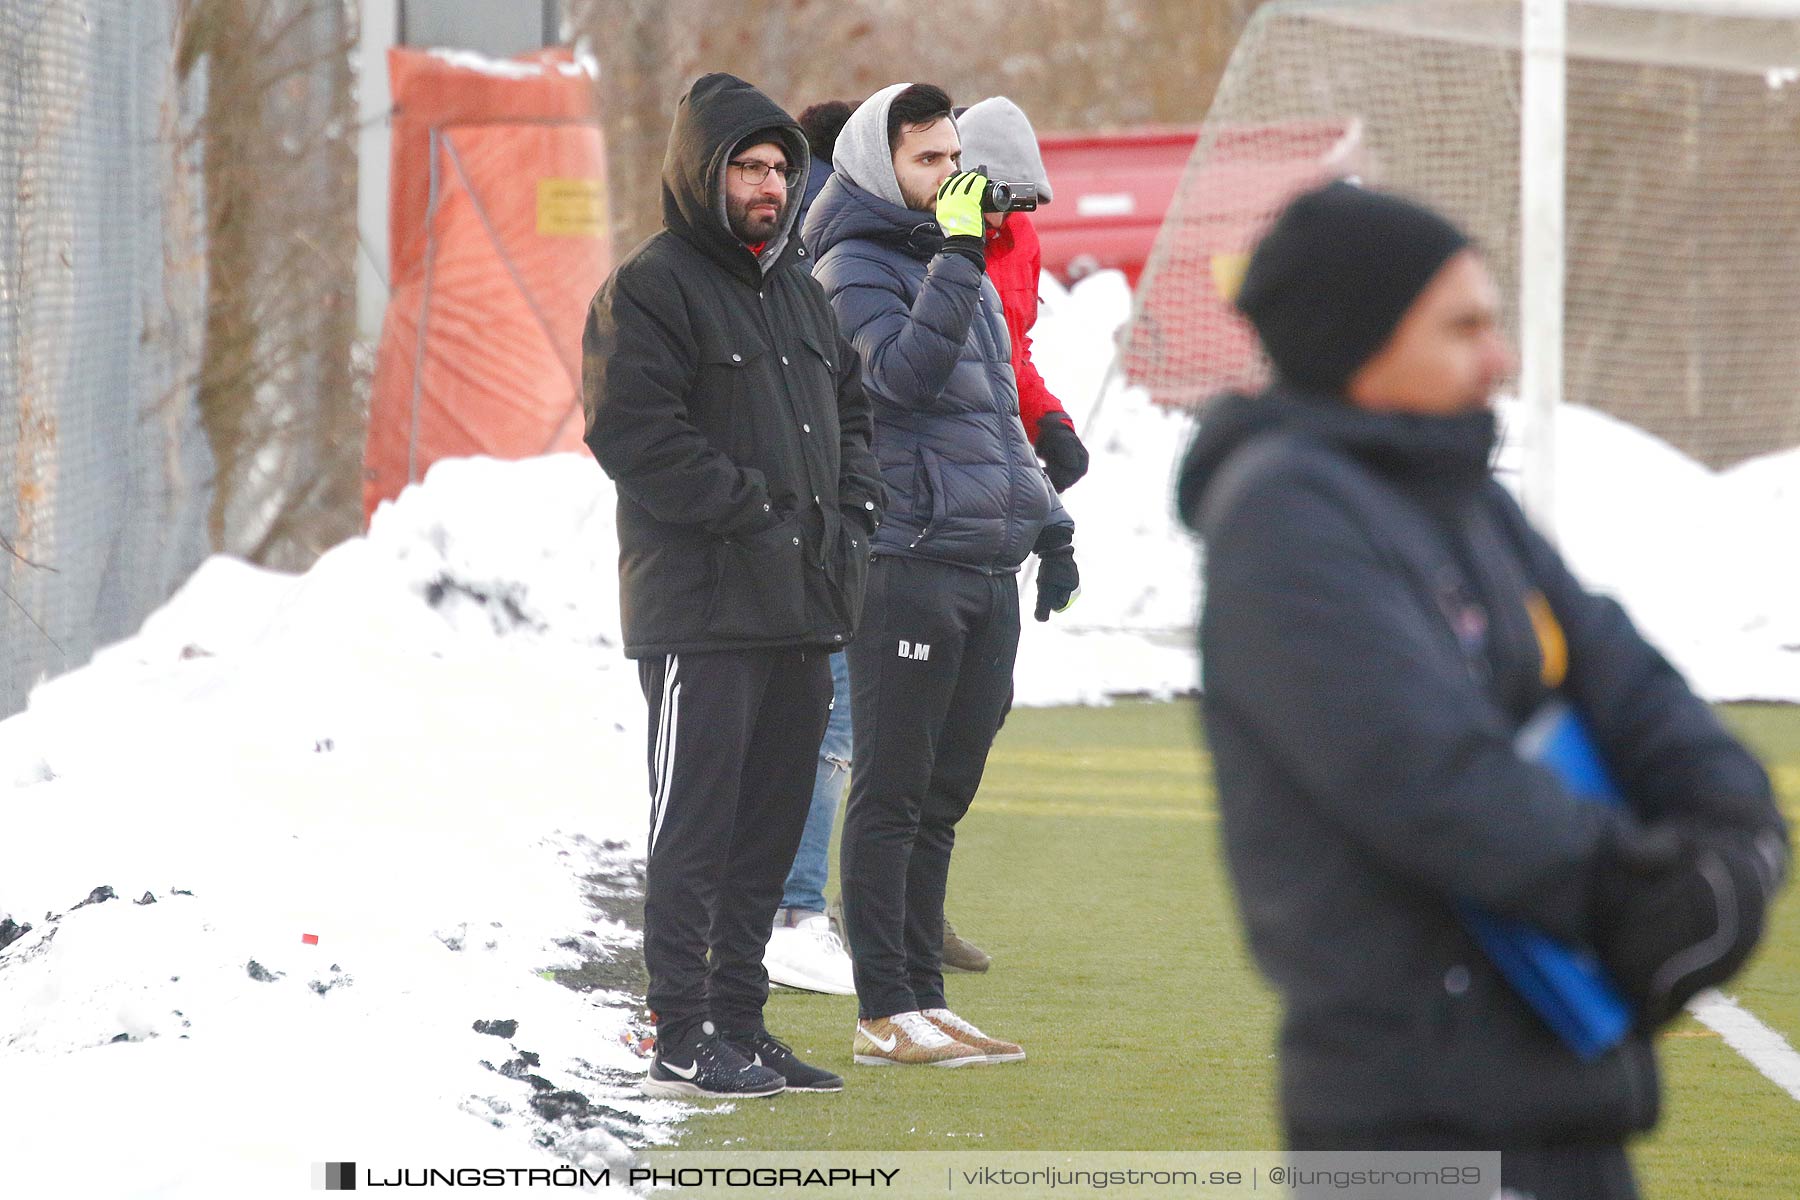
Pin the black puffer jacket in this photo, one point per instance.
(967, 488)
(730, 412)
(1379, 620)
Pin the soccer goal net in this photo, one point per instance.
(1682, 200)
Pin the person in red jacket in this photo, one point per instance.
(997, 136)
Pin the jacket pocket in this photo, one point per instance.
(730, 355)
(759, 585)
(721, 401)
(928, 492)
(822, 355)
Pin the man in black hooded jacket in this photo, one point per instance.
(1380, 621)
(729, 411)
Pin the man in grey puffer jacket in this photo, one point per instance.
(896, 240)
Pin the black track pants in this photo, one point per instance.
(930, 678)
(734, 742)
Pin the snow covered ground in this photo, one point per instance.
(426, 755)
(336, 867)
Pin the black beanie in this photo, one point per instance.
(774, 135)
(1332, 278)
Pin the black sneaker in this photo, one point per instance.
(708, 1065)
(763, 1048)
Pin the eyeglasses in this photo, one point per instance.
(753, 172)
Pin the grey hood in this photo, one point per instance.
(862, 153)
(997, 134)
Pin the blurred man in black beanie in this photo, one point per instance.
(1332, 278)
(1381, 624)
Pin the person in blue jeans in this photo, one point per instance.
(804, 952)
(805, 948)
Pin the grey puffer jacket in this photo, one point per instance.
(965, 487)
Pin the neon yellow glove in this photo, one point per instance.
(959, 204)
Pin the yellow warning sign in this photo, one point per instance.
(571, 208)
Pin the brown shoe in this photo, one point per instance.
(993, 1049)
(961, 955)
(908, 1039)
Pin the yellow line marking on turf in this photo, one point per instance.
(1075, 808)
(1147, 758)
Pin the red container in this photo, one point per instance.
(1112, 190)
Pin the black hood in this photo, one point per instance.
(843, 211)
(716, 114)
(1446, 455)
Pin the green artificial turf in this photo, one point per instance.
(1089, 867)
(1726, 1131)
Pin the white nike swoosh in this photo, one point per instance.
(756, 1060)
(887, 1047)
(687, 1072)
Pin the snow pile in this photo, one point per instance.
(426, 755)
(1131, 630)
(1700, 559)
(296, 860)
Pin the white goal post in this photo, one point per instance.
(1542, 141)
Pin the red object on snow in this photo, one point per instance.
(311, 939)
(1112, 190)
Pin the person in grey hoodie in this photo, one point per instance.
(896, 237)
(997, 136)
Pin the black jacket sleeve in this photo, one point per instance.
(861, 492)
(1326, 653)
(1666, 747)
(638, 364)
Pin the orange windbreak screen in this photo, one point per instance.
(497, 242)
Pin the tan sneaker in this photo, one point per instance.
(960, 954)
(993, 1049)
(908, 1039)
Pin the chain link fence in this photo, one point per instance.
(177, 240)
(105, 476)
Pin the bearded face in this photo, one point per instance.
(753, 210)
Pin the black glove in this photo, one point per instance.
(1065, 458)
(1678, 912)
(1058, 582)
